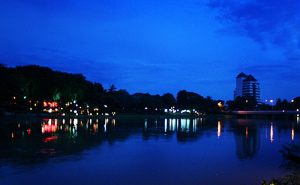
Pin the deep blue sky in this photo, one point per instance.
(159, 46)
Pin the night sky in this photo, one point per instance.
(159, 46)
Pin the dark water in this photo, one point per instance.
(144, 151)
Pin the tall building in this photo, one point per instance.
(247, 86)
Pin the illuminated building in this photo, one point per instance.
(247, 86)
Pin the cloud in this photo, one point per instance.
(267, 22)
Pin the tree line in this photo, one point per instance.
(22, 84)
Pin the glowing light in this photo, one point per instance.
(272, 133)
(166, 125)
(146, 124)
(50, 104)
(14, 98)
(29, 131)
(48, 139)
(219, 129)
(194, 125)
(95, 128)
(105, 123)
(292, 101)
(293, 134)
(246, 132)
(12, 135)
(183, 124)
(173, 124)
(49, 128)
(220, 105)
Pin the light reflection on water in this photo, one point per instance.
(26, 142)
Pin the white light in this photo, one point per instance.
(272, 133)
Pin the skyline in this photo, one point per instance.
(159, 47)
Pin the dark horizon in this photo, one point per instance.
(159, 47)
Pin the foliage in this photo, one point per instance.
(34, 83)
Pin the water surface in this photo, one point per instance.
(143, 151)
